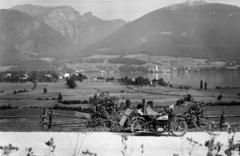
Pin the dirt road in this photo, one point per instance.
(109, 144)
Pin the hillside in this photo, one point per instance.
(202, 30)
(29, 32)
(81, 29)
(24, 38)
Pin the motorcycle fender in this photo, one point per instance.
(180, 118)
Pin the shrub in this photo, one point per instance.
(194, 115)
(71, 83)
(105, 114)
(85, 102)
(60, 97)
(127, 104)
(73, 102)
(44, 90)
(4, 107)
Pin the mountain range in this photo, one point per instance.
(200, 30)
(191, 29)
(29, 32)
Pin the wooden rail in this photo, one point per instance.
(67, 116)
(46, 119)
(19, 116)
(18, 122)
(47, 116)
(226, 116)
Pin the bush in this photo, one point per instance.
(105, 113)
(194, 115)
(71, 83)
(73, 102)
(127, 104)
(220, 103)
(85, 102)
(4, 107)
(44, 90)
(60, 97)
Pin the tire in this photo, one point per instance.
(138, 124)
(178, 127)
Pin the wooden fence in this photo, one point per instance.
(45, 119)
(48, 116)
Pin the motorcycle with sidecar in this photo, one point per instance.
(146, 120)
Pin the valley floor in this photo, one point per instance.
(28, 103)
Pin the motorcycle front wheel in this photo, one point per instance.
(178, 127)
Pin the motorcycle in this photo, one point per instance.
(159, 122)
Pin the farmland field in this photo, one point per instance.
(33, 100)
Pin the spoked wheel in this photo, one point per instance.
(178, 127)
(139, 124)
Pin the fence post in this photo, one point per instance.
(222, 121)
(50, 118)
(44, 116)
(144, 106)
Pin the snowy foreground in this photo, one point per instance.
(110, 144)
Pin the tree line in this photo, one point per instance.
(15, 76)
(70, 81)
(141, 81)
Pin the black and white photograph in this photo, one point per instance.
(119, 77)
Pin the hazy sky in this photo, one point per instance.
(109, 9)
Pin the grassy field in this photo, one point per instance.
(160, 95)
(163, 96)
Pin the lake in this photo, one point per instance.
(191, 78)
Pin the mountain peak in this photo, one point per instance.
(35, 10)
(196, 2)
(66, 9)
(205, 30)
(88, 13)
(32, 10)
(50, 30)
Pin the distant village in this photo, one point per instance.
(99, 70)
